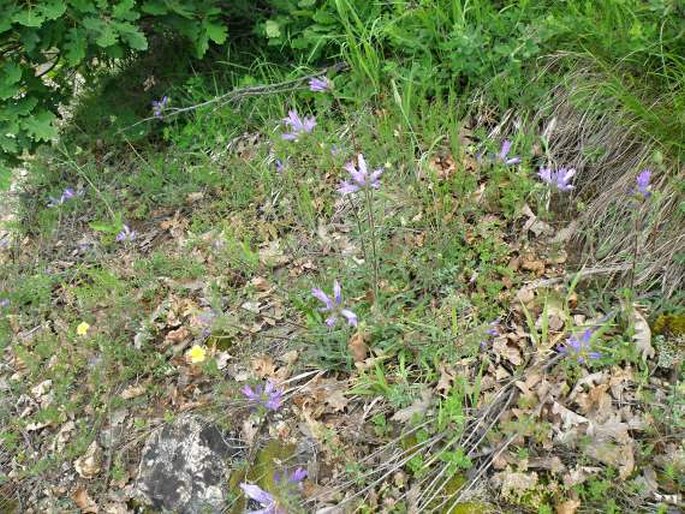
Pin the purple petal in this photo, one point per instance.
(298, 475)
(362, 165)
(337, 293)
(350, 316)
(249, 393)
(375, 175)
(513, 160)
(506, 146)
(545, 174)
(257, 493)
(347, 188)
(331, 321)
(289, 136)
(309, 124)
(594, 355)
(323, 297)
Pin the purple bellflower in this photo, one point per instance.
(558, 178)
(320, 85)
(269, 396)
(298, 126)
(334, 306)
(642, 181)
(503, 155)
(360, 177)
(579, 347)
(126, 234)
(67, 194)
(4, 303)
(158, 107)
(266, 500)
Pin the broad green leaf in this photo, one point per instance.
(53, 9)
(107, 36)
(5, 177)
(132, 36)
(40, 126)
(273, 29)
(8, 143)
(10, 75)
(75, 46)
(29, 17)
(84, 6)
(216, 33)
(125, 10)
(154, 7)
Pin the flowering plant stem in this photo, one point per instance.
(636, 247)
(368, 192)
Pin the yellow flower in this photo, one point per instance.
(196, 354)
(82, 329)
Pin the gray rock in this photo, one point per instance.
(185, 466)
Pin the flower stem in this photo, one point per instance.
(372, 228)
(636, 241)
(360, 228)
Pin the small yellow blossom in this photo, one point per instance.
(82, 329)
(196, 354)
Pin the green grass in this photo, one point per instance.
(428, 83)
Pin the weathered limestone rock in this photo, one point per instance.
(184, 467)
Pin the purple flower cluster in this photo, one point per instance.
(67, 194)
(579, 347)
(268, 502)
(320, 85)
(643, 185)
(560, 178)
(158, 107)
(503, 155)
(126, 234)
(360, 177)
(269, 396)
(334, 306)
(298, 126)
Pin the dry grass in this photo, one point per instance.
(608, 145)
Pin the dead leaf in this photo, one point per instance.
(264, 366)
(177, 336)
(419, 407)
(447, 375)
(133, 391)
(503, 349)
(643, 335)
(357, 347)
(89, 464)
(568, 507)
(515, 484)
(83, 501)
(63, 436)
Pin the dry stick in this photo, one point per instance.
(475, 445)
(239, 94)
(401, 463)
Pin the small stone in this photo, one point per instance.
(185, 466)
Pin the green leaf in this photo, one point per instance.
(273, 29)
(5, 177)
(154, 7)
(53, 10)
(123, 10)
(10, 75)
(75, 46)
(132, 36)
(40, 126)
(107, 36)
(30, 17)
(216, 33)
